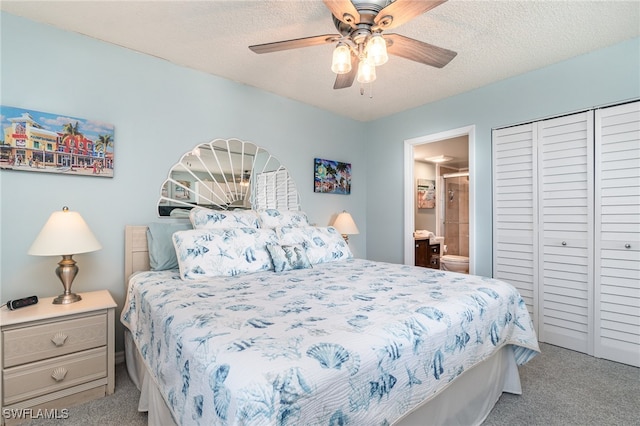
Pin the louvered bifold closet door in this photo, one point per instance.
(565, 164)
(515, 197)
(617, 273)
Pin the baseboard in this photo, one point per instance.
(119, 357)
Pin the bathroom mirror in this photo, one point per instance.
(227, 174)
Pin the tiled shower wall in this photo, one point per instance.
(456, 213)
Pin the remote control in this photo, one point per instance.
(21, 303)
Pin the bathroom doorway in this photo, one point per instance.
(448, 159)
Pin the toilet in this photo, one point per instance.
(454, 263)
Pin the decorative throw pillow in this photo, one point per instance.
(204, 253)
(272, 218)
(162, 254)
(322, 244)
(286, 258)
(203, 218)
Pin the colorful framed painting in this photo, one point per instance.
(45, 142)
(426, 194)
(331, 177)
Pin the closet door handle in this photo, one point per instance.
(627, 245)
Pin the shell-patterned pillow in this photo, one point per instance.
(204, 253)
(322, 244)
(203, 218)
(273, 218)
(286, 258)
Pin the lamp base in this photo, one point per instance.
(63, 299)
(66, 271)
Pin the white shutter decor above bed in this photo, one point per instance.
(275, 190)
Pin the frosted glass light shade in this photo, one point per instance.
(377, 50)
(345, 225)
(65, 232)
(366, 72)
(341, 63)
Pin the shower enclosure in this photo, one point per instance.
(455, 212)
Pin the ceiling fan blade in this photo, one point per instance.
(402, 11)
(418, 51)
(295, 43)
(346, 80)
(344, 10)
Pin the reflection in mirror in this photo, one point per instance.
(227, 174)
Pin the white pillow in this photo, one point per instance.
(322, 244)
(272, 218)
(203, 218)
(205, 253)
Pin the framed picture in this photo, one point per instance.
(426, 194)
(331, 177)
(45, 142)
(183, 191)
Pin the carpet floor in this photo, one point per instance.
(559, 387)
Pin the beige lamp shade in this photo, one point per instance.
(64, 233)
(345, 225)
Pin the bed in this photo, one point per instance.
(342, 341)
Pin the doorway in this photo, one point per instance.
(411, 148)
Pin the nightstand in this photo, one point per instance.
(55, 356)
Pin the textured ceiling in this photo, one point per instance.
(494, 40)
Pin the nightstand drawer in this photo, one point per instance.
(40, 378)
(39, 342)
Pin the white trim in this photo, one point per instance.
(409, 193)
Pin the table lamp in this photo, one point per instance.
(345, 225)
(65, 234)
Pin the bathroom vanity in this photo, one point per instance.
(428, 252)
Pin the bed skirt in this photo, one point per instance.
(466, 401)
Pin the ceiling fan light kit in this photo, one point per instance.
(377, 50)
(341, 63)
(360, 41)
(366, 72)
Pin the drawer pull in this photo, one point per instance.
(627, 245)
(58, 374)
(59, 338)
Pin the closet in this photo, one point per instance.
(566, 227)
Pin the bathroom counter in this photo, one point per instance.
(432, 240)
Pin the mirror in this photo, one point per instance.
(227, 174)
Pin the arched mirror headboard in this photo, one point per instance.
(224, 174)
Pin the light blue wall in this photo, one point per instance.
(159, 110)
(601, 77)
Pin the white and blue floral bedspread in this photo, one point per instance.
(351, 342)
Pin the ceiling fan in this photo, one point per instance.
(361, 45)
